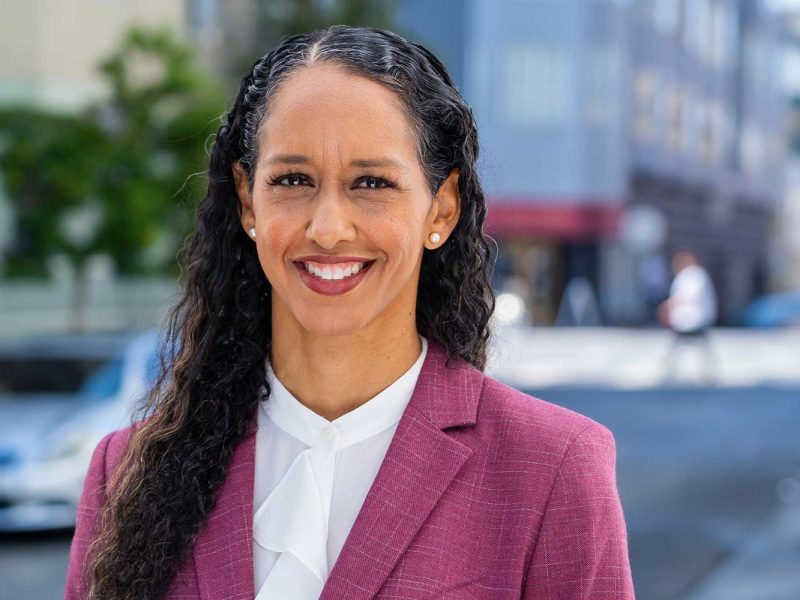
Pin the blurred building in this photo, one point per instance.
(49, 51)
(786, 253)
(614, 133)
(708, 133)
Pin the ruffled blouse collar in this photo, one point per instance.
(293, 521)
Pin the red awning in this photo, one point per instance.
(567, 222)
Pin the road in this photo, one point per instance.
(33, 567)
(710, 486)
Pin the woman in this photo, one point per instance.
(324, 428)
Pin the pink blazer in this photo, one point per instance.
(484, 492)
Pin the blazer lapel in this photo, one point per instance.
(419, 465)
(223, 549)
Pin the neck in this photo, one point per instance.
(333, 375)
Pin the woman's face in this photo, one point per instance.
(340, 204)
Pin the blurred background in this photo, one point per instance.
(613, 135)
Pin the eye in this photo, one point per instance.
(374, 183)
(289, 180)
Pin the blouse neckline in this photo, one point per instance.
(377, 414)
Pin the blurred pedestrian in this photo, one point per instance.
(323, 426)
(690, 311)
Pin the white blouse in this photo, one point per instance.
(311, 478)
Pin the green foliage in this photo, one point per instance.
(287, 17)
(133, 164)
(274, 19)
(50, 165)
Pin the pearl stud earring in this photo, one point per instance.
(435, 237)
(252, 232)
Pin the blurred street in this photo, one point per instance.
(640, 169)
(727, 527)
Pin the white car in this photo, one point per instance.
(59, 396)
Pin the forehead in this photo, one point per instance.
(325, 109)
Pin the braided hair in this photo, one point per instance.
(219, 332)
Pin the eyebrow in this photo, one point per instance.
(300, 159)
(288, 159)
(377, 162)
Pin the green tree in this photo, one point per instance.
(287, 17)
(274, 19)
(119, 178)
(122, 177)
(51, 164)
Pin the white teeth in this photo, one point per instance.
(337, 272)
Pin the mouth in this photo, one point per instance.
(334, 271)
(332, 278)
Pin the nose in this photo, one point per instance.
(331, 219)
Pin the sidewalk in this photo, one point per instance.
(635, 358)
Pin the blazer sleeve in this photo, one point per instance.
(92, 499)
(581, 551)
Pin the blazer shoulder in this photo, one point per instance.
(536, 421)
(105, 456)
(117, 444)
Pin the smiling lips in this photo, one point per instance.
(336, 271)
(332, 275)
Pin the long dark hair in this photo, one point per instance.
(219, 332)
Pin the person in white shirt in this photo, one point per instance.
(689, 312)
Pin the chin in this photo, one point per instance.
(333, 323)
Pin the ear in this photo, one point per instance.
(242, 184)
(445, 210)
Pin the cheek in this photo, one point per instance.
(401, 243)
(275, 236)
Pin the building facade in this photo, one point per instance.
(614, 133)
(49, 51)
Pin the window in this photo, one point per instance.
(696, 27)
(675, 105)
(728, 134)
(538, 85)
(757, 67)
(604, 65)
(666, 15)
(751, 148)
(692, 126)
(720, 51)
(644, 121)
(60, 375)
(713, 132)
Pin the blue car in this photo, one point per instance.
(59, 396)
(774, 310)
